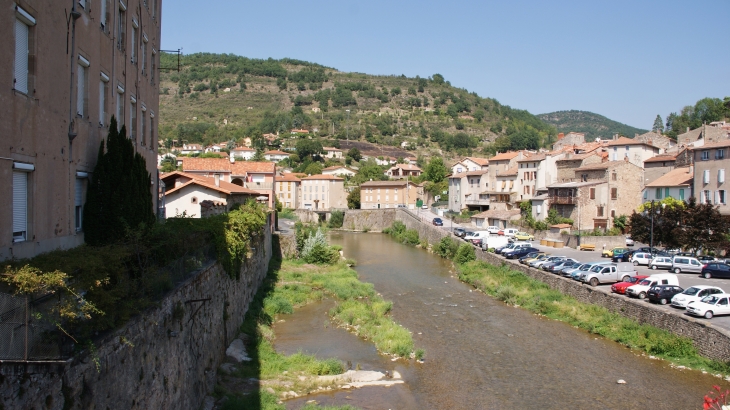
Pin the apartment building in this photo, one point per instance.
(635, 150)
(288, 190)
(467, 190)
(676, 184)
(658, 166)
(63, 84)
(390, 194)
(710, 162)
(323, 193)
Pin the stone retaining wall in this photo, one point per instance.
(371, 220)
(710, 341)
(164, 359)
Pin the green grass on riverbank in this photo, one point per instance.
(516, 288)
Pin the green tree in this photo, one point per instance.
(168, 143)
(438, 79)
(169, 164)
(353, 199)
(118, 197)
(369, 171)
(314, 168)
(658, 124)
(307, 148)
(355, 154)
(436, 171)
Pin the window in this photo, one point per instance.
(705, 155)
(706, 176)
(153, 135)
(615, 153)
(24, 59)
(614, 176)
(82, 3)
(144, 54)
(20, 200)
(681, 194)
(133, 44)
(658, 194)
(721, 199)
(154, 9)
(104, 15)
(593, 193)
(584, 177)
(720, 154)
(599, 211)
(626, 154)
(143, 133)
(82, 87)
(707, 197)
(79, 200)
(103, 91)
(121, 24)
(153, 61)
(666, 193)
(613, 213)
(120, 106)
(614, 193)
(721, 176)
(133, 118)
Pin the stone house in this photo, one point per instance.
(288, 188)
(390, 194)
(467, 191)
(569, 140)
(710, 163)
(566, 166)
(658, 140)
(676, 183)
(503, 194)
(399, 171)
(57, 104)
(258, 176)
(658, 166)
(323, 193)
(707, 133)
(493, 217)
(635, 151)
(185, 192)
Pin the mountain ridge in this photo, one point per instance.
(592, 124)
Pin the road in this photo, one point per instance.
(685, 279)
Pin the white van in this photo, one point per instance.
(494, 242)
(494, 229)
(639, 290)
(477, 237)
(510, 232)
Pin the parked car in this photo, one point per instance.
(424, 206)
(639, 290)
(662, 294)
(641, 258)
(520, 252)
(558, 266)
(538, 259)
(710, 306)
(622, 286)
(531, 255)
(528, 260)
(694, 294)
(524, 236)
(609, 253)
(510, 232)
(515, 246)
(612, 273)
(538, 264)
(437, 222)
(685, 264)
(661, 262)
(715, 270)
(585, 268)
(623, 257)
(576, 267)
(475, 235)
(493, 229)
(547, 266)
(491, 241)
(459, 232)
(629, 241)
(568, 266)
(705, 259)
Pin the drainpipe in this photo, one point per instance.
(72, 17)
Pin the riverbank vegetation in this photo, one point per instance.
(319, 272)
(515, 288)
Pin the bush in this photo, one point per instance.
(410, 237)
(317, 251)
(336, 219)
(465, 254)
(446, 248)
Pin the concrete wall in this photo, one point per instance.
(371, 220)
(164, 359)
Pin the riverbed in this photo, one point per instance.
(480, 353)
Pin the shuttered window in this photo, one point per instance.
(81, 90)
(104, 15)
(20, 206)
(706, 176)
(79, 203)
(120, 107)
(721, 176)
(143, 130)
(133, 118)
(103, 91)
(21, 56)
(681, 194)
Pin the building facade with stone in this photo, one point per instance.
(64, 80)
(711, 161)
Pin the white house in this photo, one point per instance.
(676, 183)
(276, 155)
(331, 152)
(243, 153)
(339, 171)
(184, 193)
(636, 151)
(188, 149)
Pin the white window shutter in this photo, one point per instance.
(706, 176)
(721, 176)
(21, 56)
(20, 205)
(80, 90)
(717, 197)
(102, 98)
(79, 194)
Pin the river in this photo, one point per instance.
(480, 353)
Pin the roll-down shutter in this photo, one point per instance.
(20, 205)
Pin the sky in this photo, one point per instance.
(628, 60)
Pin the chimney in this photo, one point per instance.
(687, 129)
(691, 170)
(615, 137)
(561, 136)
(232, 158)
(218, 180)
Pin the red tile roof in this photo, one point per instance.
(479, 161)
(287, 177)
(207, 182)
(662, 158)
(675, 177)
(504, 156)
(627, 141)
(719, 144)
(322, 177)
(224, 165)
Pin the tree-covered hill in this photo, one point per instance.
(593, 125)
(223, 97)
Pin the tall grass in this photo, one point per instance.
(516, 288)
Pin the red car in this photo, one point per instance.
(622, 286)
(501, 232)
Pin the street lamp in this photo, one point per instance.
(348, 124)
(651, 232)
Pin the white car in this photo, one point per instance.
(641, 258)
(494, 230)
(510, 232)
(710, 306)
(629, 241)
(661, 262)
(424, 206)
(694, 294)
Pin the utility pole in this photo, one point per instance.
(348, 125)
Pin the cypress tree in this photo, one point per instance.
(119, 195)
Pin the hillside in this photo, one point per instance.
(223, 97)
(593, 125)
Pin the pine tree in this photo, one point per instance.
(119, 196)
(658, 124)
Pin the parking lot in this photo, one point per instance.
(685, 279)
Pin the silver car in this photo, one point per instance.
(686, 264)
(661, 262)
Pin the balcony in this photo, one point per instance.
(477, 202)
(563, 200)
(259, 186)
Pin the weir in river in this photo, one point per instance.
(480, 352)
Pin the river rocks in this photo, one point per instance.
(208, 403)
(237, 351)
(621, 381)
(228, 368)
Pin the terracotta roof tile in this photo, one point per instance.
(287, 177)
(479, 161)
(322, 177)
(662, 158)
(627, 141)
(512, 171)
(710, 145)
(675, 177)
(504, 156)
(401, 182)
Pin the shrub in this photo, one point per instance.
(336, 219)
(464, 254)
(446, 248)
(317, 251)
(410, 237)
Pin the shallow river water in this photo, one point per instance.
(480, 353)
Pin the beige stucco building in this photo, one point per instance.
(258, 176)
(390, 194)
(711, 161)
(60, 94)
(288, 190)
(323, 193)
(467, 190)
